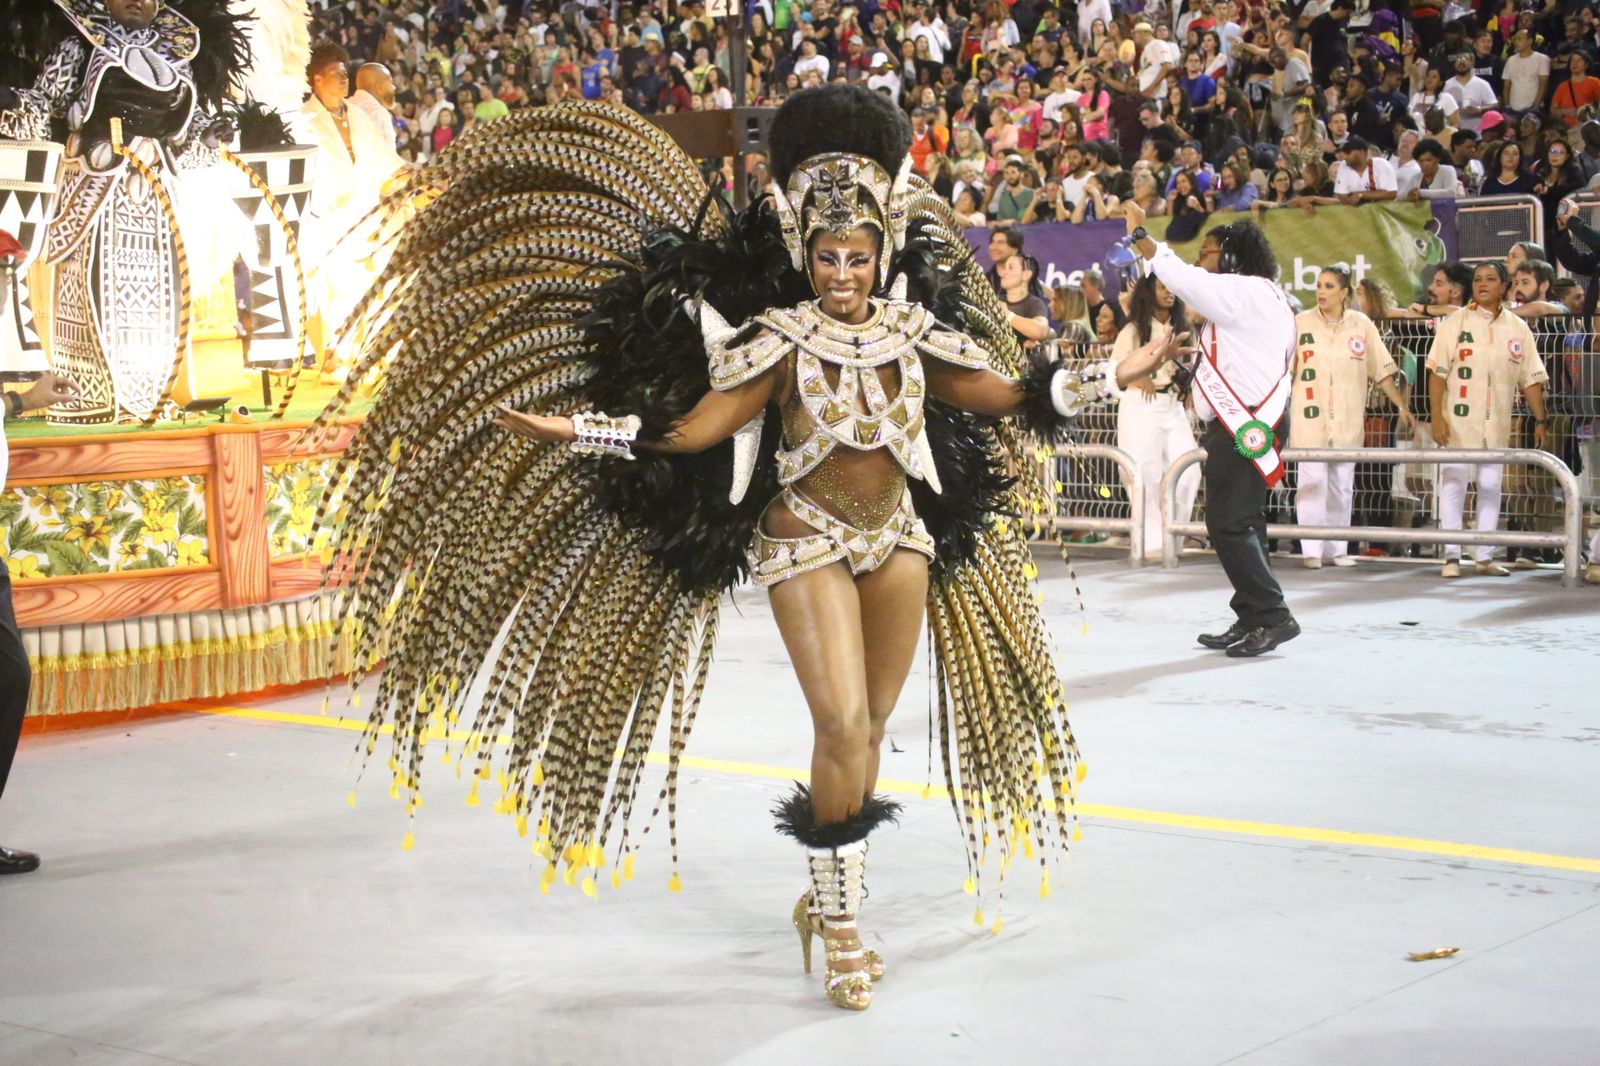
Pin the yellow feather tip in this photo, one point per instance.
(995, 929)
(472, 796)
(927, 790)
(1081, 771)
(977, 917)
(616, 879)
(409, 842)
(596, 856)
(970, 886)
(570, 878)
(522, 825)
(547, 879)
(351, 799)
(627, 868)
(589, 888)
(1044, 887)
(675, 883)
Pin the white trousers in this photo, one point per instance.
(1453, 478)
(1155, 431)
(1324, 496)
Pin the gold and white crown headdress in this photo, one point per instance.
(840, 193)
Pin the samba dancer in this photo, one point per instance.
(866, 494)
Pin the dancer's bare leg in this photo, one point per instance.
(819, 615)
(893, 598)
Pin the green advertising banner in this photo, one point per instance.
(1391, 242)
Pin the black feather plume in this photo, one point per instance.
(224, 54)
(650, 358)
(260, 127)
(1038, 416)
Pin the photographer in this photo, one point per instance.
(1049, 205)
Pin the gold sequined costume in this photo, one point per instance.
(471, 552)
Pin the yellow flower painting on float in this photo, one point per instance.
(104, 527)
(294, 491)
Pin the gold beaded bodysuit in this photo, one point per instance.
(855, 390)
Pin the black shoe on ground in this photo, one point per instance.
(17, 862)
(1218, 641)
(1263, 639)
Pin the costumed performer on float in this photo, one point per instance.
(806, 392)
(344, 238)
(164, 68)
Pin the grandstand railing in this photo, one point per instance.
(1570, 539)
(1487, 225)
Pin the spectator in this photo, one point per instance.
(1050, 205)
(1580, 90)
(1152, 422)
(1004, 242)
(1362, 177)
(1234, 191)
(1069, 309)
(1526, 75)
(1157, 59)
(1504, 174)
(1434, 177)
(967, 208)
(1433, 95)
(1027, 313)
(1471, 92)
(1558, 177)
(1011, 195)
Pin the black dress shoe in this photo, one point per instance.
(17, 862)
(1218, 641)
(1263, 639)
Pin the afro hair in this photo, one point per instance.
(837, 118)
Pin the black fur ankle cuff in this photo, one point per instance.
(796, 819)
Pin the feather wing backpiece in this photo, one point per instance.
(557, 271)
(1010, 761)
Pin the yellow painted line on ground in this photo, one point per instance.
(1168, 819)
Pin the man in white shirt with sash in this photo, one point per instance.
(1241, 393)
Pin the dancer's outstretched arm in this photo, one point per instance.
(716, 417)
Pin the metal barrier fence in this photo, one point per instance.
(1570, 539)
(1130, 524)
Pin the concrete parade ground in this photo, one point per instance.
(1264, 843)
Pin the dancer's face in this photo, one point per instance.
(843, 273)
(134, 14)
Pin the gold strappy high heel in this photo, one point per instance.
(836, 882)
(808, 923)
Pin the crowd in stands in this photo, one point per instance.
(1028, 111)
